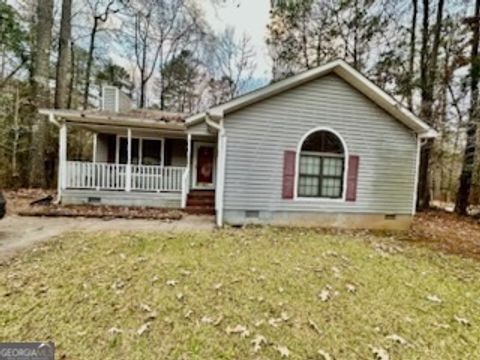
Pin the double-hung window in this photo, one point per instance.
(321, 166)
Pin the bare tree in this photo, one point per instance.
(428, 73)
(64, 53)
(234, 61)
(162, 29)
(147, 48)
(100, 12)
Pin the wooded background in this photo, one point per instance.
(164, 53)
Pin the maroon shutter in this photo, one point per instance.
(352, 177)
(288, 174)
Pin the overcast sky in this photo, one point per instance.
(246, 16)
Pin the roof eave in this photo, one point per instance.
(81, 117)
(341, 69)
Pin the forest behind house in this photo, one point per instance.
(165, 55)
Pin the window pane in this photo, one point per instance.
(308, 186)
(332, 166)
(309, 165)
(323, 141)
(151, 152)
(123, 154)
(331, 187)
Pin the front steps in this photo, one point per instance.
(201, 202)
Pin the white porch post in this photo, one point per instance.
(189, 159)
(62, 159)
(186, 174)
(94, 154)
(128, 173)
(221, 156)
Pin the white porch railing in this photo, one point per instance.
(106, 176)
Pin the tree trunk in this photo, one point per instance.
(428, 77)
(72, 78)
(40, 90)
(411, 65)
(63, 64)
(88, 71)
(423, 199)
(466, 176)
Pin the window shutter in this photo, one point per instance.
(352, 177)
(288, 174)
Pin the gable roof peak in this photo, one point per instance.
(342, 69)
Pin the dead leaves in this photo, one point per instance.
(114, 331)
(239, 329)
(462, 320)
(351, 288)
(257, 343)
(283, 350)
(324, 355)
(171, 282)
(397, 339)
(380, 353)
(434, 299)
(144, 328)
(324, 295)
(313, 325)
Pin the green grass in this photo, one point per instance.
(91, 294)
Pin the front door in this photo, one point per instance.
(204, 172)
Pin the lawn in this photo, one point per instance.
(259, 293)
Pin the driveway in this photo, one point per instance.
(20, 232)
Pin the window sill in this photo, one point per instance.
(319, 199)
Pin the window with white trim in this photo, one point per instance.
(321, 167)
(145, 151)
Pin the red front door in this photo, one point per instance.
(205, 160)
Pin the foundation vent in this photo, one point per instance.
(252, 214)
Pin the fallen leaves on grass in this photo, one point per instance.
(324, 355)
(283, 350)
(257, 343)
(462, 320)
(314, 326)
(144, 328)
(397, 339)
(239, 329)
(380, 353)
(324, 295)
(434, 299)
(171, 282)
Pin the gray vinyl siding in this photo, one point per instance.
(199, 129)
(258, 135)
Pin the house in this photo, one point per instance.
(325, 148)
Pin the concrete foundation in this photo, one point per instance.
(122, 198)
(327, 220)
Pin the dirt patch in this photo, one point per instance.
(447, 232)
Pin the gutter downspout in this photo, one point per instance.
(221, 157)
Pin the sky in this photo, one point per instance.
(245, 16)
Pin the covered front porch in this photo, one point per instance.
(134, 161)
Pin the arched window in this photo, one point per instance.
(321, 166)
